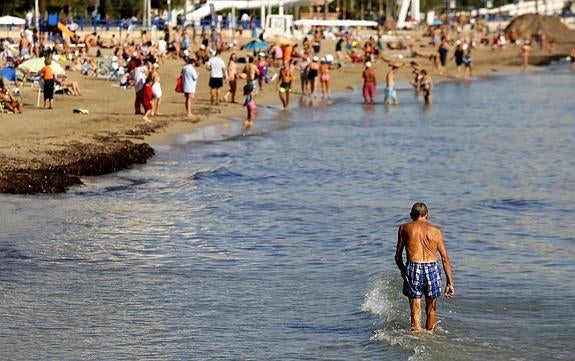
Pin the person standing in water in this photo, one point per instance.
(369, 84)
(426, 87)
(390, 92)
(525, 52)
(421, 274)
(284, 84)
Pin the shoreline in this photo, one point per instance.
(48, 151)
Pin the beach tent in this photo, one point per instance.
(11, 20)
(256, 45)
(34, 65)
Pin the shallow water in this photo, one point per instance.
(279, 244)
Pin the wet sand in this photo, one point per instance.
(47, 151)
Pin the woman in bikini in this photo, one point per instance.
(324, 78)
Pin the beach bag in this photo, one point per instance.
(179, 85)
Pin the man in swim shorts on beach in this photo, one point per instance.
(284, 84)
(421, 274)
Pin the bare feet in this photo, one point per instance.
(146, 120)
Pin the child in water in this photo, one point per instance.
(250, 105)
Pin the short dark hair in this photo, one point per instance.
(418, 210)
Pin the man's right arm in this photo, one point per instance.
(399, 252)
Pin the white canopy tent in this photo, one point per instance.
(11, 20)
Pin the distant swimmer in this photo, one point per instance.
(421, 274)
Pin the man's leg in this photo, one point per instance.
(415, 307)
(430, 306)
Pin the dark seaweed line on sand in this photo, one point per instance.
(75, 160)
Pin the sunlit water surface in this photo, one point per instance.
(279, 244)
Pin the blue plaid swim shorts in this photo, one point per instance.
(422, 279)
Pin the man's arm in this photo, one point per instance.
(449, 288)
(399, 253)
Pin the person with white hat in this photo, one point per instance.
(312, 73)
(369, 83)
(324, 77)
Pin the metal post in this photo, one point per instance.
(36, 14)
(232, 21)
(169, 12)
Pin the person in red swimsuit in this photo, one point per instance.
(147, 98)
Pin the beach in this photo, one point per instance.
(50, 150)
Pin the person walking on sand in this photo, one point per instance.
(251, 71)
(458, 56)
(468, 63)
(369, 84)
(284, 84)
(250, 105)
(140, 74)
(525, 52)
(217, 68)
(189, 83)
(312, 73)
(156, 91)
(49, 80)
(421, 274)
(442, 51)
(303, 77)
(147, 99)
(232, 76)
(390, 92)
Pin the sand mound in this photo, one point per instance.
(525, 26)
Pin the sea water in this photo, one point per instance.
(278, 243)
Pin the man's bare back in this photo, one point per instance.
(421, 240)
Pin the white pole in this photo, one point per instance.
(36, 14)
(263, 16)
(144, 14)
(149, 14)
(169, 12)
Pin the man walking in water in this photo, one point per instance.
(421, 274)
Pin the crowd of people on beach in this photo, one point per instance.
(136, 60)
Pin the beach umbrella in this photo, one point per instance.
(34, 65)
(11, 20)
(256, 45)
